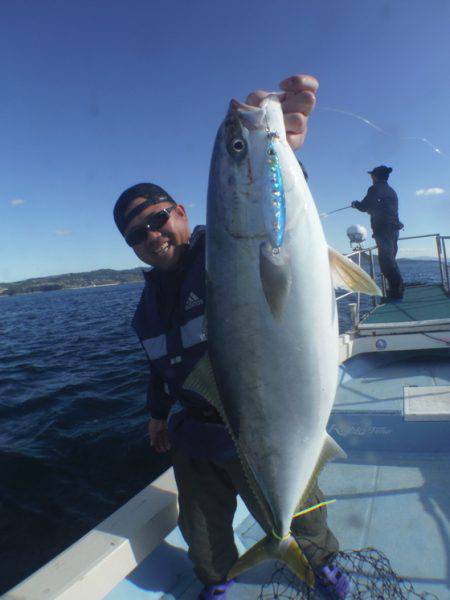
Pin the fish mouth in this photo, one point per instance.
(237, 105)
(251, 117)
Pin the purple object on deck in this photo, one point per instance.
(334, 582)
(218, 591)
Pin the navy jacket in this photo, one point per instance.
(381, 203)
(169, 322)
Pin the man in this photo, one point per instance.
(169, 323)
(381, 203)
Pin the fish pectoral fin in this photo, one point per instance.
(345, 274)
(276, 278)
(201, 380)
(330, 450)
(269, 548)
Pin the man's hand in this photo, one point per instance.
(159, 436)
(297, 101)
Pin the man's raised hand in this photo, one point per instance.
(298, 99)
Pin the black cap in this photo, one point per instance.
(381, 172)
(154, 194)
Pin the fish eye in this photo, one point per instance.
(238, 145)
(270, 151)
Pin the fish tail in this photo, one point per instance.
(273, 547)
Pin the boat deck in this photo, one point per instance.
(420, 303)
(394, 502)
(392, 492)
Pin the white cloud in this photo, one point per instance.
(17, 202)
(62, 232)
(430, 191)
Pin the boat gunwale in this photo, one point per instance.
(404, 324)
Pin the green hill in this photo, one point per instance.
(72, 280)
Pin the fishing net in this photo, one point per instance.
(370, 574)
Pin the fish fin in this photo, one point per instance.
(276, 278)
(256, 490)
(347, 275)
(297, 562)
(269, 548)
(330, 450)
(203, 381)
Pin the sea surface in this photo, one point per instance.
(73, 435)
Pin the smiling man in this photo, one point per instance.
(169, 321)
(157, 236)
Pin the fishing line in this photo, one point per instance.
(383, 131)
(311, 508)
(280, 538)
(324, 215)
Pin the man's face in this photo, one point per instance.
(162, 248)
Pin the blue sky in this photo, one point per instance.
(97, 96)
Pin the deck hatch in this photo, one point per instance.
(426, 403)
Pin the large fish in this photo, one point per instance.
(271, 320)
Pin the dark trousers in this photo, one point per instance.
(207, 493)
(387, 251)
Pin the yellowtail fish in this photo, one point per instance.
(272, 322)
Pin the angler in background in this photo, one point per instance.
(381, 202)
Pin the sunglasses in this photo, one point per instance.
(154, 222)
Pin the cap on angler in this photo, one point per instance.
(381, 172)
(153, 194)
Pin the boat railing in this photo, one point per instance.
(359, 252)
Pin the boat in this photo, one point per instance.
(391, 415)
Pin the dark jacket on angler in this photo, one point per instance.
(169, 322)
(381, 203)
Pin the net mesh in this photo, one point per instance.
(370, 574)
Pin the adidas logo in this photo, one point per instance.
(192, 301)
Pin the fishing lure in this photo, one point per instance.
(275, 209)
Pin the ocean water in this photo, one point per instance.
(73, 436)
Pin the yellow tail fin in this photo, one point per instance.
(286, 550)
(347, 275)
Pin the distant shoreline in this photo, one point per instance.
(80, 287)
(99, 278)
(73, 281)
(62, 289)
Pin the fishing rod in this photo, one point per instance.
(334, 211)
